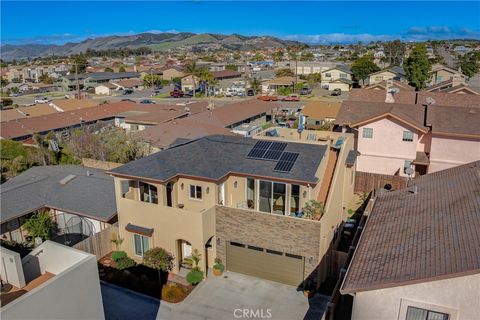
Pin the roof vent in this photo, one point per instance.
(89, 173)
(413, 189)
(67, 179)
(429, 101)
(390, 97)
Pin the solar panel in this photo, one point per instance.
(286, 162)
(275, 151)
(278, 146)
(259, 149)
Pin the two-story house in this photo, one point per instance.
(426, 132)
(393, 73)
(339, 77)
(239, 199)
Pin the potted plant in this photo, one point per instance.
(218, 267)
(308, 288)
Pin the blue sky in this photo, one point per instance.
(314, 22)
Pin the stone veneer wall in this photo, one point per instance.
(286, 234)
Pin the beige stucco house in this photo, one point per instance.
(338, 77)
(222, 196)
(440, 73)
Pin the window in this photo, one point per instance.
(250, 193)
(406, 165)
(148, 193)
(328, 75)
(279, 198)
(422, 314)
(317, 123)
(343, 75)
(141, 244)
(295, 199)
(367, 133)
(265, 196)
(195, 192)
(407, 136)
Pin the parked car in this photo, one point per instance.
(14, 94)
(336, 92)
(176, 93)
(146, 101)
(268, 98)
(291, 97)
(40, 99)
(305, 91)
(250, 92)
(230, 93)
(127, 91)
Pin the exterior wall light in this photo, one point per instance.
(304, 194)
(235, 184)
(218, 241)
(310, 260)
(181, 186)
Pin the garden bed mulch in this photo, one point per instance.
(142, 279)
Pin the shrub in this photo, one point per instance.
(125, 263)
(40, 225)
(219, 265)
(172, 292)
(195, 276)
(117, 255)
(159, 259)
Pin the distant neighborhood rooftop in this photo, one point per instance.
(426, 232)
(70, 188)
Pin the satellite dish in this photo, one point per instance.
(430, 101)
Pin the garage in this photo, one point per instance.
(264, 263)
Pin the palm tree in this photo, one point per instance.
(193, 70)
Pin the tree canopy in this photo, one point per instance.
(470, 63)
(418, 67)
(364, 66)
(394, 52)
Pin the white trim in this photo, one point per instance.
(405, 303)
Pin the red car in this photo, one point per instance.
(176, 93)
(268, 98)
(292, 97)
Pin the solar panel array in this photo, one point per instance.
(286, 162)
(270, 150)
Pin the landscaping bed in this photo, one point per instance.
(142, 279)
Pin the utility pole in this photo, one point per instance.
(245, 77)
(76, 80)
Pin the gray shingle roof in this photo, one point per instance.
(412, 238)
(91, 196)
(213, 157)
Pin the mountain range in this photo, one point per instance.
(156, 41)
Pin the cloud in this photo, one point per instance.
(415, 33)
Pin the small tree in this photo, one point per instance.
(364, 66)
(194, 259)
(39, 225)
(313, 210)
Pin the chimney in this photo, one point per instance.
(390, 96)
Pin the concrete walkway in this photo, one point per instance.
(232, 296)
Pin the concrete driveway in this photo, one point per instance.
(232, 296)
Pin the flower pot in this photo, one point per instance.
(307, 293)
(217, 272)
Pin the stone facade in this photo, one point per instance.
(286, 234)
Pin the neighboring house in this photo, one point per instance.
(91, 80)
(226, 74)
(418, 256)
(170, 73)
(72, 195)
(390, 84)
(51, 282)
(272, 86)
(21, 87)
(394, 73)
(462, 89)
(214, 121)
(306, 67)
(62, 123)
(219, 195)
(440, 73)
(105, 89)
(134, 84)
(318, 113)
(337, 77)
(431, 133)
(188, 83)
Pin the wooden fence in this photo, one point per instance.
(366, 182)
(100, 243)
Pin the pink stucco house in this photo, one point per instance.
(424, 136)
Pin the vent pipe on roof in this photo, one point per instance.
(413, 189)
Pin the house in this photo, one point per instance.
(91, 80)
(319, 113)
(226, 74)
(238, 199)
(105, 89)
(306, 67)
(64, 105)
(51, 282)
(390, 84)
(442, 73)
(219, 120)
(73, 195)
(188, 83)
(21, 87)
(170, 73)
(424, 263)
(394, 73)
(272, 86)
(134, 84)
(461, 89)
(337, 77)
(424, 131)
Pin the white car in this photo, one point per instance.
(41, 100)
